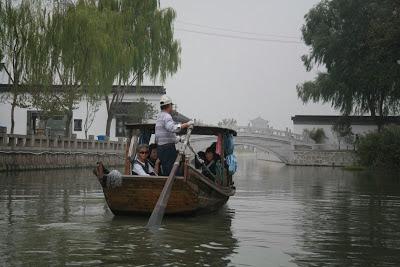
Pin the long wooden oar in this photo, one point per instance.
(159, 210)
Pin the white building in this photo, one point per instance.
(27, 120)
(359, 125)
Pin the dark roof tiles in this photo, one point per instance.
(149, 89)
(328, 120)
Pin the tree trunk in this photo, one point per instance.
(381, 115)
(68, 123)
(373, 114)
(374, 117)
(110, 112)
(379, 123)
(108, 125)
(12, 117)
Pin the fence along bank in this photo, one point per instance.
(29, 152)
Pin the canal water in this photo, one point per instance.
(280, 216)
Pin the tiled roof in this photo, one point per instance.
(329, 120)
(176, 116)
(148, 89)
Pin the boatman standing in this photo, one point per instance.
(165, 135)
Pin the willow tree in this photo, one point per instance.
(74, 40)
(356, 41)
(144, 46)
(85, 47)
(17, 23)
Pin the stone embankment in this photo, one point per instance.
(334, 158)
(20, 152)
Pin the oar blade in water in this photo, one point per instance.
(159, 210)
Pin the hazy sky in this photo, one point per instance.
(224, 77)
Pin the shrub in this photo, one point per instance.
(318, 135)
(343, 131)
(381, 150)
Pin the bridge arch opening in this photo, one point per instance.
(270, 146)
(266, 154)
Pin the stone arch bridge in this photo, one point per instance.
(279, 143)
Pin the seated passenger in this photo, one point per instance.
(153, 157)
(210, 162)
(141, 165)
(213, 148)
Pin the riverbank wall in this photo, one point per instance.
(332, 158)
(21, 152)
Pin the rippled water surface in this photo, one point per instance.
(280, 216)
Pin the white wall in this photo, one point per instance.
(99, 124)
(332, 139)
(20, 117)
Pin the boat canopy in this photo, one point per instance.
(197, 130)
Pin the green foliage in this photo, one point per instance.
(74, 36)
(357, 43)
(318, 135)
(85, 46)
(381, 150)
(143, 43)
(17, 28)
(141, 112)
(342, 129)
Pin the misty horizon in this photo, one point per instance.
(246, 77)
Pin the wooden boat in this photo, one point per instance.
(191, 193)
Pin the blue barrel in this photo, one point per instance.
(101, 137)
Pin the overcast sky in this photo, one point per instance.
(221, 77)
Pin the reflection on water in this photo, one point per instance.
(280, 216)
(350, 220)
(60, 218)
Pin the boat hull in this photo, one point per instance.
(138, 195)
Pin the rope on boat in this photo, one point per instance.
(114, 179)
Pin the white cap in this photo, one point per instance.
(165, 100)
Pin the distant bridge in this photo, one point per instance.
(277, 142)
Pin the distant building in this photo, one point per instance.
(359, 124)
(27, 120)
(259, 123)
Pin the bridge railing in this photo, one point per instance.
(333, 147)
(286, 134)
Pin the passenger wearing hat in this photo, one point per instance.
(165, 135)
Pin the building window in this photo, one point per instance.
(120, 127)
(78, 125)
